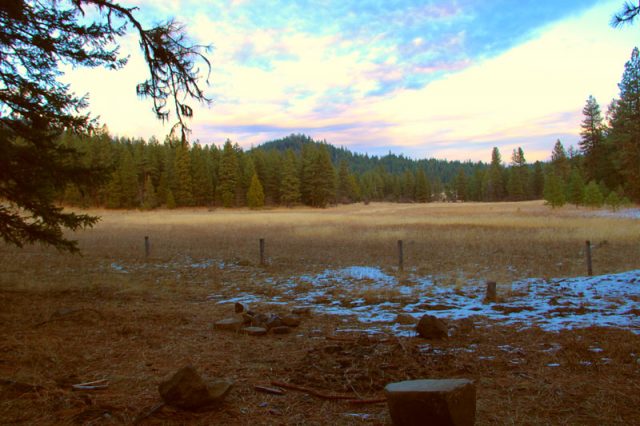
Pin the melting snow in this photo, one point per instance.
(607, 300)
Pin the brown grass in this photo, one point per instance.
(67, 320)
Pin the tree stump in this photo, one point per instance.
(450, 402)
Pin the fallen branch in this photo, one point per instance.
(367, 401)
(310, 391)
(58, 315)
(97, 385)
(346, 398)
(19, 386)
(149, 413)
(266, 389)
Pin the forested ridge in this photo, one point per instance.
(603, 169)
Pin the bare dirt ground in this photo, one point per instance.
(113, 314)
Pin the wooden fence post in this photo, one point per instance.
(588, 253)
(491, 294)
(400, 256)
(261, 251)
(147, 247)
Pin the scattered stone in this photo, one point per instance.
(273, 321)
(405, 319)
(259, 320)
(434, 402)
(239, 308)
(283, 329)
(187, 390)
(255, 331)
(463, 326)
(246, 318)
(231, 324)
(431, 327)
(301, 310)
(290, 320)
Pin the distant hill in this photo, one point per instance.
(443, 171)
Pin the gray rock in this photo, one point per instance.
(430, 327)
(187, 390)
(291, 320)
(259, 320)
(247, 318)
(283, 329)
(405, 319)
(301, 310)
(432, 402)
(230, 324)
(255, 331)
(273, 321)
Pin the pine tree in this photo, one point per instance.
(171, 201)
(554, 191)
(228, 175)
(344, 183)
(290, 189)
(423, 190)
(537, 181)
(202, 177)
(592, 195)
(255, 194)
(518, 176)
(460, 186)
(625, 126)
(494, 182)
(559, 162)
(150, 199)
(128, 180)
(575, 188)
(114, 191)
(322, 179)
(308, 158)
(613, 200)
(183, 180)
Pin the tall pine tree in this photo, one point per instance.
(228, 175)
(625, 126)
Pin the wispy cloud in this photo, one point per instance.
(434, 78)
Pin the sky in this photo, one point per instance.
(425, 79)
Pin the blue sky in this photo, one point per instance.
(444, 79)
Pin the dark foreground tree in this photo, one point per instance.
(35, 107)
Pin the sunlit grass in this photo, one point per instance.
(500, 241)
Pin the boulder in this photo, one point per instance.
(283, 329)
(255, 331)
(431, 327)
(259, 320)
(239, 308)
(301, 310)
(273, 321)
(188, 391)
(450, 402)
(405, 319)
(247, 318)
(231, 324)
(290, 320)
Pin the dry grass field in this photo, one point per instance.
(115, 314)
